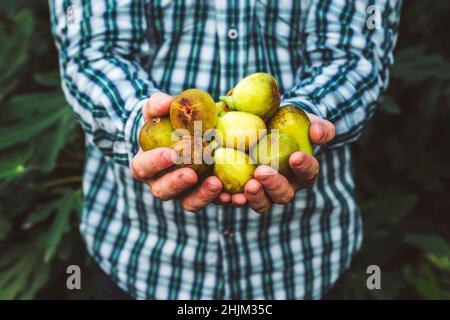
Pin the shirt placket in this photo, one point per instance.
(231, 31)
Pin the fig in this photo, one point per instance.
(258, 94)
(191, 106)
(234, 168)
(293, 121)
(274, 150)
(156, 133)
(239, 130)
(195, 153)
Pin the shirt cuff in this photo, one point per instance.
(133, 126)
(307, 106)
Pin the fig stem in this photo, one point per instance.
(229, 101)
(220, 106)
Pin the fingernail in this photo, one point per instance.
(299, 160)
(212, 187)
(253, 192)
(323, 133)
(267, 171)
(186, 179)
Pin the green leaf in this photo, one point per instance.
(23, 263)
(41, 213)
(391, 106)
(67, 203)
(24, 107)
(5, 227)
(15, 49)
(50, 79)
(429, 243)
(9, 8)
(426, 283)
(37, 281)
(65, 200)
(55, 142)
(13, 164)
(11, 136)
(441, 262)
(390, 207)
(414, 64)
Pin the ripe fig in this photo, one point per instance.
(234, 169)
(258, 94)
(293, 121)
(193, 153)
(190, 106)
(274, 150)
(156, 133)
(239, 130)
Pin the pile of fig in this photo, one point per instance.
(229, 138)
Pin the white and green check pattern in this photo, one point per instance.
(326, 60)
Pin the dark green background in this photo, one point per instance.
(402, 165)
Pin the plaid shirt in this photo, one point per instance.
(328, 60)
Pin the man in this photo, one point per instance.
(121, 63)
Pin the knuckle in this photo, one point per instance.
(257, 196)
(177, 185)
(287, 197)
(146, 107)
(264, 206)
(274, 184)
(187, 205)
(156, 190)
(282, 200)
(136, 169)
(157, 193)
(154, 97)
(205, 195)
(310, 182)
(332, 132)
(315, 171)
(261, 209)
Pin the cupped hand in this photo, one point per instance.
(268, 186)
(177, 184)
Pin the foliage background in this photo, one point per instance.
(402, 165)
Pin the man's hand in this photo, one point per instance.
(178, 183)
(269, 187)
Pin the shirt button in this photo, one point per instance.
(233, 34)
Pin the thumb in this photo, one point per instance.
(157, 106)
(321, 130)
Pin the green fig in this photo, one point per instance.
(156, 133)
(239, 130)
(274, 150)
(258, 94)
(191, 106)
(293, 121)
(234, 169)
